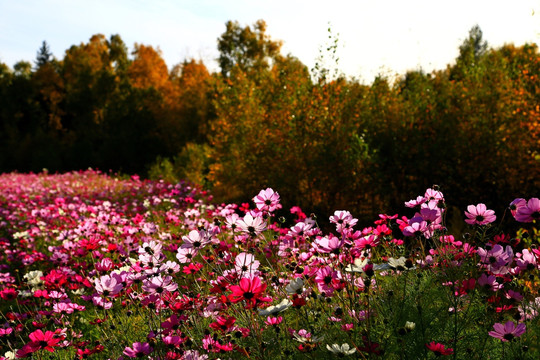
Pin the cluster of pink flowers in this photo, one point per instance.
(82, 246)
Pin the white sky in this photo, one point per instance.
(375, 36)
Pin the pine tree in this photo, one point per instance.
(44, 55)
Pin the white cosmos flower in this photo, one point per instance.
(399, 264)
(252, 225)
(358, 265)
(296, 286)
(344, 349)
(273, 309)
(409, 325)
(307, 338)
(33, 278)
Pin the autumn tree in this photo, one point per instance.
(194, 83)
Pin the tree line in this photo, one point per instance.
(322, 140)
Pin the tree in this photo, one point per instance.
(475, 45)
(23, 69)
(246, 48)
(470, 53)
(148, 69)
(44, 55)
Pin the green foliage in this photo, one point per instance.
(191, 164)
(249, 50)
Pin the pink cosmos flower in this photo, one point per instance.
(328, 244)
(498, 259)
(489, 282)
(479, 215)
(508, 331)
(172, 323)
(194, 355)
(196, 239)
(267, 200)
(529, 212)
(526, 260)
(516, 204)
(105, 264)
(8, 294)
(65, 308)
(433, 196)
(415, 229)
(152, 247)
(246, 265)
(325, 277)
(101, 303)
(273, 321)
(343, 220)
(138, 350)
(108, 285)
(366, 242)
(159, 284)
(415, 202)
(186, 255)
(231, 221)
(301, 229)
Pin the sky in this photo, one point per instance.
(387, 37)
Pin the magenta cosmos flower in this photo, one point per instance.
(529, 212)
(507, 331)
(138, 350)
(439, 349)
(479, 215)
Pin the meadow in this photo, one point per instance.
(94, 266)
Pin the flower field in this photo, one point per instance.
(97, 267)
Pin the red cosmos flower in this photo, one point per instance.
(9, 294)
(370, 347)
(439, 349)
(55, 279)
(192, 268)
(223, 324)
(298, 301)
(40, 340)
(249, 290)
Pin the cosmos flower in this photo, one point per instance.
(479, 215)
(439, 349)
(138, 350)
(296, 286)
(250, 290)
(274, 309)
(267, 200)
(343, 220)
(40, 340)
(508, 331)
(341, 350)
(252, 225)
(246, 265)
(529, 212)
(159, 284)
